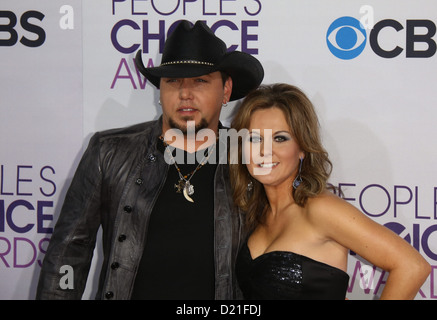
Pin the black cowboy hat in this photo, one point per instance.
(192, 51)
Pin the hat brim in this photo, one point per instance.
(245, 71)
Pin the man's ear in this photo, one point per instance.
(227, 89)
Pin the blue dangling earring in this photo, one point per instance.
(249, 186)
(297, 181)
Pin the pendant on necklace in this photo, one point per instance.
(188, 191)
(179, 186)
(190, 188)
(186, 188)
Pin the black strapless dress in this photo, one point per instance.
(280, 275)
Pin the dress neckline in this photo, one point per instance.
(265, 255)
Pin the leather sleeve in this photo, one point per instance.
(74, 236)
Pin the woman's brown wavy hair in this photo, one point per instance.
(304, 124)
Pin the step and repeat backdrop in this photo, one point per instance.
(67, 71)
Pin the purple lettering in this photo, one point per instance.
(30, 262)
(114, 39)
(2, 254)
(245, 37)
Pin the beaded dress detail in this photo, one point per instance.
(280, 275)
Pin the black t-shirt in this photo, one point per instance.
(178, 258)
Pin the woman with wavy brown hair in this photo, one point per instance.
(299, 232)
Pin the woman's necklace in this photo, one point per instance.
(183, 185)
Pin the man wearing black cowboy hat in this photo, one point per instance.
(170, 230)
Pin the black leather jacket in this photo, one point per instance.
(115, 186)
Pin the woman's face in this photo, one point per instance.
(271, 150)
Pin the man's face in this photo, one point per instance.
(197, 99)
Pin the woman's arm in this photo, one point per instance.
(346, 225)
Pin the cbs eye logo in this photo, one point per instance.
(346, 38)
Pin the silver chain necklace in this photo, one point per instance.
(184, 185)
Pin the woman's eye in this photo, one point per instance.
(255, 139)
(281, 138)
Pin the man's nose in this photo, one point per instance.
(185, 89)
